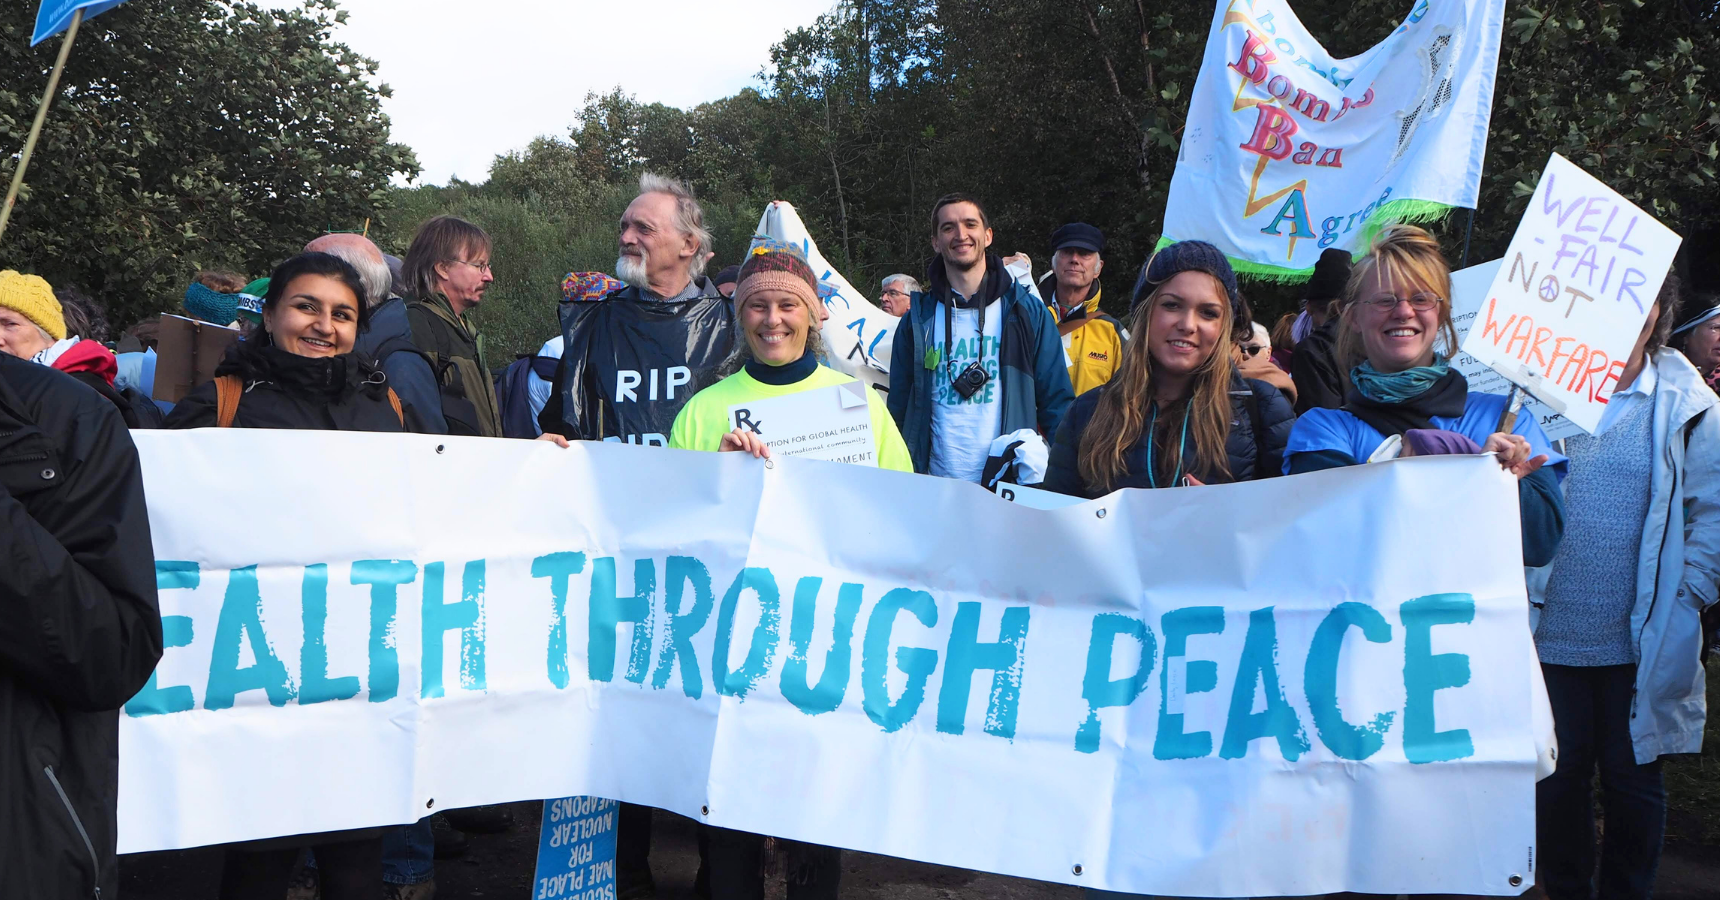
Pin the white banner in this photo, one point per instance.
(1288, 151)
(1568, 302)
(858, 333)
(1157, 691)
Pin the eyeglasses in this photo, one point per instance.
(482, 267)
(1419, 303)
(1251, 349)
(894, 293)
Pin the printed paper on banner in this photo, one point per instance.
(832, 424)
(1288, 151)
(1468, 291)
(55, 16)
(576, 850)
(858, 333)
(1572, 292)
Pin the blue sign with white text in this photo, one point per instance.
(576, 850)
(55, 16)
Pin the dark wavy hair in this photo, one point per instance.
(313, 263)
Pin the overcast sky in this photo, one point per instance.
(474, 78)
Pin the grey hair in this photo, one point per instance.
(909, 280)
(373, 273)
(689, 217)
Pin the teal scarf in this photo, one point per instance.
(1396, 387)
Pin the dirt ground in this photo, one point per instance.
(500, 866)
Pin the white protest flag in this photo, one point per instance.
(1468, 292)
(1155, 691)
(857, 335)
(1569, 299)
(1288, 151)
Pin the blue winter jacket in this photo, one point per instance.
(1033, 375)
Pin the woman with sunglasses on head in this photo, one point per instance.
(1177, 412)
(1396, 311)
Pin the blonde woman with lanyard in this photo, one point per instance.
(1177, 412)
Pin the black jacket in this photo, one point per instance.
(1314, 369)
(1251, 402)
(337, 393)
(79, 628)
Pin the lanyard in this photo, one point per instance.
(1152, 438)
(949, 345)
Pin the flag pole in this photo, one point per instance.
(41, 116)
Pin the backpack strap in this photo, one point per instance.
(394, 401)
(228, 390)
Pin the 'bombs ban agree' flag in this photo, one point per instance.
(1288, 151)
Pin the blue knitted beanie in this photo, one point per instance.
(1185, 256)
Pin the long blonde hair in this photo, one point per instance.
(1121, 414)
(1401, 254)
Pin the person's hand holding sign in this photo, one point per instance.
(745, 440)
(1513, 452)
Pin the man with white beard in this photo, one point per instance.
(632, 359)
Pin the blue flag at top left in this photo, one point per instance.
(55, 16)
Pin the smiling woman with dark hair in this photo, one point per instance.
(299, 370)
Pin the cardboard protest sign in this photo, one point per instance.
(186, 354)
(1468, 291)
(833, 423)
(576, 850)
(1575, 285)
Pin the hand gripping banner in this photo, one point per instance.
(1287, 151)
(1156, 691)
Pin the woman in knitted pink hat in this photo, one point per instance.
(777, 314)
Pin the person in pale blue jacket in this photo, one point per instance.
(1619, 627)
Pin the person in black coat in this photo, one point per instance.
(1176, 413)
(299, 370)
(80, 631)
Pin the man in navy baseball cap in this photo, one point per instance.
(1092, 341)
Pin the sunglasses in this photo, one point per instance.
(1250, 349)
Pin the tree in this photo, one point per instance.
(190, 134)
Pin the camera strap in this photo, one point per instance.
(949, 343)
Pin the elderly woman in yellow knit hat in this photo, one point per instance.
(30, 318)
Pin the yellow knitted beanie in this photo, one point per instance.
(34, 300)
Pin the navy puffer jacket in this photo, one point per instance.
(1249, 458)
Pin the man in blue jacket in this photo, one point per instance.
(976, 357)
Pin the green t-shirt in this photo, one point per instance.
(702, 423)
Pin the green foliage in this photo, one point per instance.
(189, 134)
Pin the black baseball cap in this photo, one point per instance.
(1079, 235)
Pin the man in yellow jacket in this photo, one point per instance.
(1092, 341)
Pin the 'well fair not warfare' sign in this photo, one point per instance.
(1571, 295)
